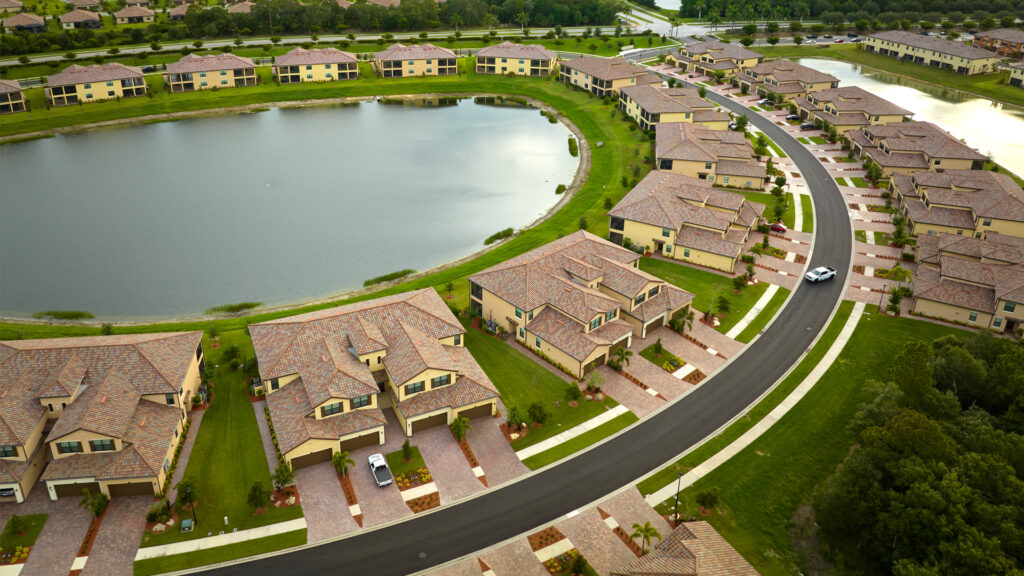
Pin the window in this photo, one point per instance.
(360, 401)
(169, 399)
(938, 161)
(639, 299)
(725, 180)
(88, 85)
(110, 93)
(110, 83)
(69, 447)
(986, 222)
(105, 445)
(274, 384)
(429, 61)
(666, 232)
(653, 292)
(668, 248)
(538, 342)
(973, 317)
(202, 74)
(411, 62)
(1009, 306)
(530, 315)
(686, 253)
(522, 333)
(414, 387)
(440, 381)
(223, 72)
(458, 339)
(428, 70)
(610, 316)
(308, 67)
(476, 291)
(617, 223)
(327, 66)
(519, 313)
(997, 322)
(707, 165)
(50, 406)
(8, 451)
(203, 83)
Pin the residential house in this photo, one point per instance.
(784, 80)
(322, 65)
(849, 107)
(1017, 74)
(133, 15)
(723, 157)
(603, 76)
(516, 59)
(651, 104)
(1006, 42)
(137, 2)
(178, 13)
(575, 300)
(11, 6)
(245, 7)
(932, 51)
(12, 99)
(95, 83)
(79, 19)
(713, 56)
(84, 4)
(909, 147)
(975, 281)
(328, 374)
(960, 202)
(103, 413)
(344, 4)
(684, 218)
(692, 549)
(24, 22)
(400, 61)
(224, 70)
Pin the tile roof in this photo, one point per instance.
(569, 336)
(111, 71)
(988, 194)
(242, 8)
(668, 300)
(1013, 35)
(414, 52)
(1018, 65)
(959, 294)
(692, 142)
(718, 50)
(211, 63)
(344, 4)
(994, 247)
(84, 3)
(9, 86)
(180, 10)
(8, 4)
(911, 144)
(511, 50)
(133, 12)
(12, 471)
(789, 75)
(470, 387)
(938, 215)
(746, 168)
(301, 56)
(657, 99)
(291, 412)
(605, 68)
(410, 352)
(941, 45)
(79, 16)
(671, 200)
(708, 241)
(24, 19)
(853, 99)
(692, 549)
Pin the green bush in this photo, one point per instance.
(573, 147)
(388, 277)
(537, 413)
(506, 233)
(64, 314)
(560, 189)
(233, 308)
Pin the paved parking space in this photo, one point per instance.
(379, 505)
(113, 551)
(323, 502)
(596, 541)
(514, 559)
(58, 543)
(628, 507)
(638, 400)
(493, 451)
(448, 466)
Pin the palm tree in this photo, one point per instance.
(683, 322)
(645, 533)
(460, 426)
(622, 356)
(341, 462)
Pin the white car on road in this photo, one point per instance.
(820, 274)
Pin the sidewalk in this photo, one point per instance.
(220, 539)
(572, 432)
(753, 312)
(765, 423)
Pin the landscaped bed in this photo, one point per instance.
(659, 356)
(19, 536)
(411, 473)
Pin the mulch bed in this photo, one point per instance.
(417, 505)
(695, 341)
(622, 534)
(467, 451)
(254, 398)
(278, 498)
(508, 431)
(694, 377)
(350, 495)
(483, 565)
(27, 550)
(877, 208)
(417, 477)
(858, 269)
(642, 386)
(90, 535)
(544, 538)
(800, 259)
(174, 516)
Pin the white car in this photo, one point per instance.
(820, 274)
(763, 101)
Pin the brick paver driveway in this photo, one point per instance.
(113, 552)
(596, 541)
(58, 543)
(514, 559)
(379, 505)
(323, 502)
(448, 467)
(467, 567)
(628, 507)
(638, 400)
(493, 451)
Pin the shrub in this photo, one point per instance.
(500, 235)
(560, 189)
(387, 277)
(657, 346)
(583, 222)
(572, 393)
(514, 416)
(537, 413)
(258, 496)
(64, 314)
(233, 308)
(709, 498)
(160, 512)
(574, 149)
(748, 258)
(406, 450)
(907, 256)
(739, 282)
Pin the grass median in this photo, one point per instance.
(580, 442)
(219, 554)
(765, 316)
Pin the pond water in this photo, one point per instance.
(987, 126)
(282, 206)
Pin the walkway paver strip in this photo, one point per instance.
(754, 312)
(765, 423)
(186, 453)
(514, 559)
(264, 426)
(493, 451)
(571, 433)
(215, 541)
(558, 548)
(57, 545)
(323, 502)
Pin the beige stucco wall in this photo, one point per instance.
(24, 486)
(422, 67)
(897, 50)
(949, 312)
(82, 436)
(518, 66)
(319, 72)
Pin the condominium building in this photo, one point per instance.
(322, 65)
(12, 99)
(960, 202)
(932, 51)
(95, 83)
(1006, 42)
(11, 6)
(1017, 74)
(651, 104)
(713, 56)
(603, 76)
(909, 147)
(849, 107)
(723, 157)
(195, 72)
(784, 80)
(400, 61)
(684, 218)
(134, 15)
(85, 4)
(516, 59)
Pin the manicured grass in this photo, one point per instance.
(987, 85)
(860, 235)
(775, 147)
(788, 217)
(34, 522)
(808, 212)
(659, 359)
(881, 238)
(818, 140)
(765, 316)
(219, 554)
(803, 140)
(859, 182)
(398, 465)
(706, 286)
(522, 382)
(227, 457)
(592, 116)
(580, 442)
(762, 486)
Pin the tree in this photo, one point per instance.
(197, 44)
(258, 497)
(708, 499)
(741, 123)
(406, 450)
(538, 413)
(514, 417)
(95, 502)
(702, 91)
(747, 41)
(106, 329)
(341, 461)
(773, 40)
(460, 426)
(283, 476)
(750, 271)
(722, 304)
(186, 492)
(682, 321)
(622, 355)
(798, 40)
(17, 525)
(595, 382)
(645, 532)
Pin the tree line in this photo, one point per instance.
(933, 485)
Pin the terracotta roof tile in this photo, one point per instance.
(940, 45)
(414, 52)
(692, 549)
(301, 56)
(111, 71)
(519, 51)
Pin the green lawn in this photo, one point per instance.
(659, 359)
(219, 554)
(765, 316)
(706, 286)
(9, 540)
(859, 182)
(788, 217)
(398, 465)
(522, 382)
(808, 211)
(987, 85)
(860, 235)
(227, 457)
(818, 140)
(762, 486)
(881, 238)
(803, 140)
(580, 442)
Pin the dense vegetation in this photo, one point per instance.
(934, 484)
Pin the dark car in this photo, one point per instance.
(793, 117)
(148, 69)
(828, 35)
(852, 35)
(812, 36)
(807, 126)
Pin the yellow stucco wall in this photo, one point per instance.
(99, 91)
(897, 50)
(692, 169)
(517, 66)
(949, 312)
(739, 181)
(421, 67)
(716, 261)
(82, 436)
(1007, 227)
(424, 377)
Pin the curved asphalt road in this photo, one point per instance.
(463, 528)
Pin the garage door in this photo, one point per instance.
(429, 422)
(131, 489)
(75, 490)
(360, 442)
(310, 459)
(478, 412)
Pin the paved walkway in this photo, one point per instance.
(603, 550)
(268, 442)
(493, 451)
(186, 452)
(113, 552)
(765, 423)
(571, 433)
(628, 394)
(214, 541)
(324, 505)
(754, 312)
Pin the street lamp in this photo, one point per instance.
(188, 490)
(679, 482)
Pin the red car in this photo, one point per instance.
(840, 41)
(779, 227)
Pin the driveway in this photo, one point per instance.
(495, 454)
(113, 551)
(323, 502)
(62, 534)
(514, 559)
(448, 466)
(594, 539)
(379, 505)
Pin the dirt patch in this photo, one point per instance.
(803, 534)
